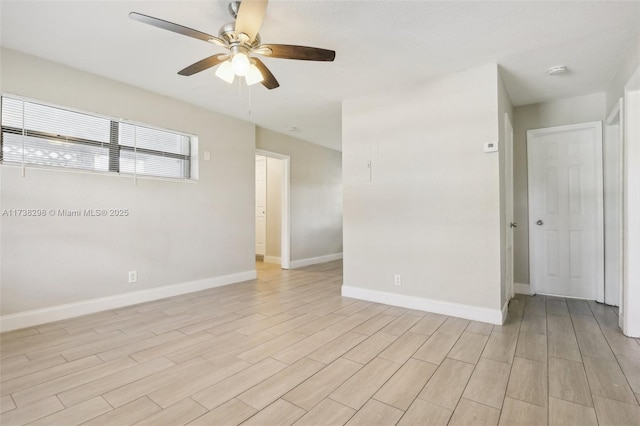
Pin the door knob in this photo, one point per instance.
(539, 222)
(514, 225)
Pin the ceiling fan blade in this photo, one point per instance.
(170, 26)
(250, 17)
(288, 51)
(204, 64)
(269, 81)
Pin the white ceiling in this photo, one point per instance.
(379, 45)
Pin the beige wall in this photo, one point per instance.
(176, 232)
(315, 194)
(274, 207)
(431, 211)
(580, 109)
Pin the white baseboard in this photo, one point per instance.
(315, 260)
(476, 313)
(272, 259)
(522, 288)
(70, 310)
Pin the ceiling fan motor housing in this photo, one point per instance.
(228, 33)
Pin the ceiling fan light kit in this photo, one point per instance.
(241, 39)
(240, 64)
(225, 72)
(254, 76)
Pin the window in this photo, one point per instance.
(34, 133)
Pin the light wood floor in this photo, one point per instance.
(288, 349)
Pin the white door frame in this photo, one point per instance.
(285, 227)
(615, 119)
(631, 281)
(509, 214)
(261, 192)
(600, 206)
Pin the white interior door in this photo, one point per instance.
(261, 204)
(566, 210)
(508, 196)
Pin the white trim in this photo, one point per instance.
(285, 249)
(509, 217)
(314, 260)
(272, 259)
(615, 120)
(523, 288)
(55, 313)
(476, 313)
(285, 225)
(621, 307)
(600, 206)
(631, 203)
(505, 311)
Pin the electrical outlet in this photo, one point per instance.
(397, 279)
(133, 276)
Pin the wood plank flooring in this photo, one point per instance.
(287, 349)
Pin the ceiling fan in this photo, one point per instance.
(242, 40)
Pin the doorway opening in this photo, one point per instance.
(272, 208)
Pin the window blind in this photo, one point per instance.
(154, 152)
(35, 133)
